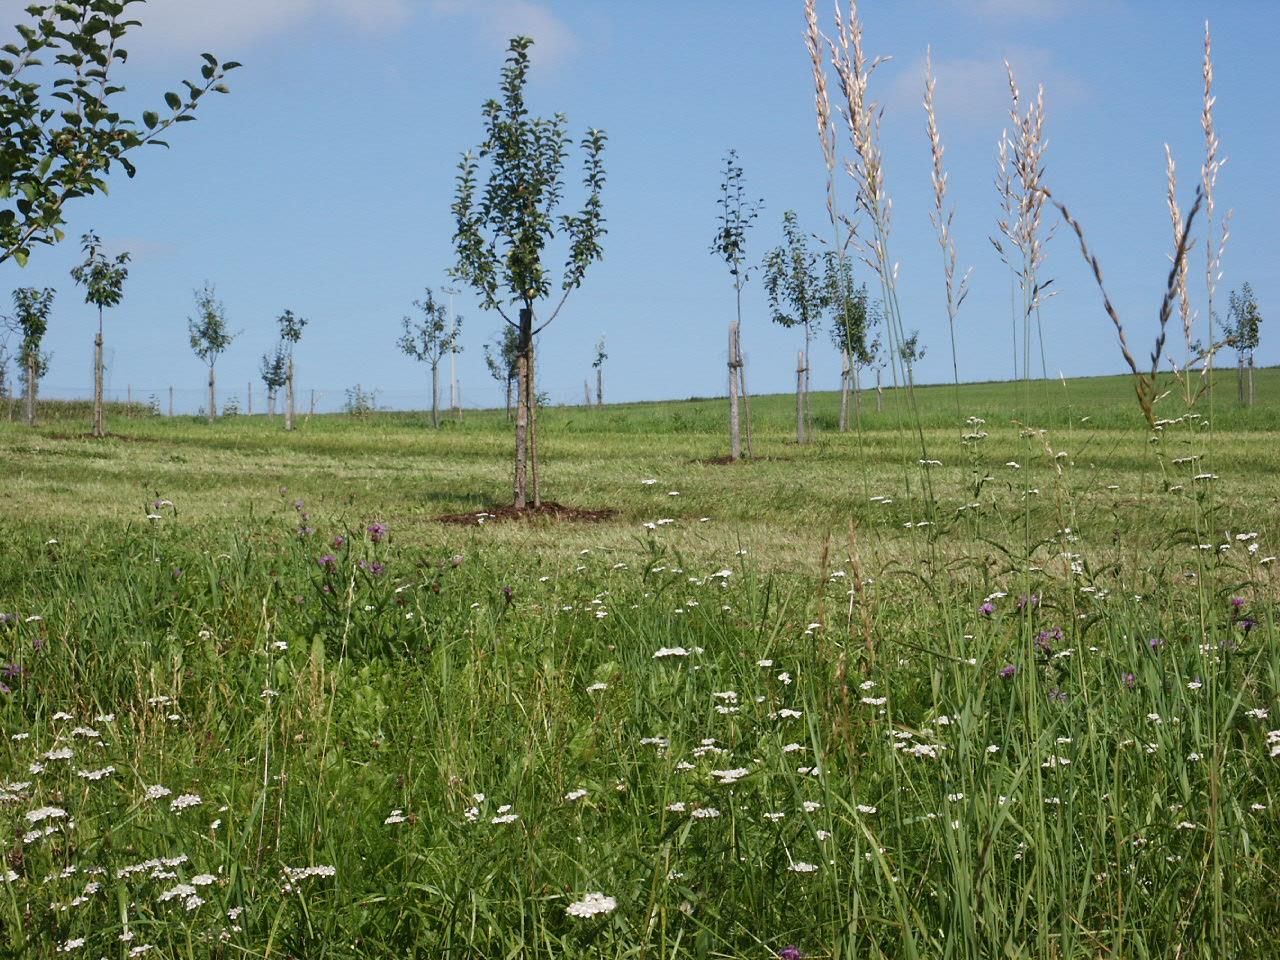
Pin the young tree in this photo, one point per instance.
(428, 340)
(273, 369)
(853, 321)
(1243, 329)
(290, 335)
(598, 363)
(797, 297)
(61, 135)
(103, 281)
(911, 352)
(737, 213)
(209, 337)
(502, 357)
(31, 309)
(502, 233)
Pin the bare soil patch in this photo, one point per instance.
(549, 510)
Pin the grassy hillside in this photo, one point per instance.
(1017, 702)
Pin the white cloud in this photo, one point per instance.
(183, 26)
(179, 27)
(973, 92)
(500, 20)
(1025, 9)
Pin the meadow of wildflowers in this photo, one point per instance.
(257, 703)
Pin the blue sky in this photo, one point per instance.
(323, 182)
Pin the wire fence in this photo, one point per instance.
(252, 398)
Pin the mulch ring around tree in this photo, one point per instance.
(549, 510)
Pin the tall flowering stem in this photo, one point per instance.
(942, 218)
(1022, 222)
(862, 118)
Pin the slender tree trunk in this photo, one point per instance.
(98, 430)
(808, 410)
(248, 392)
(509, 383)
(534, 476)
(33, 365)
(586, 394)
(800, 397)
(735, 435)
(523, 372)
(879, 393)
(171, 400)
(213, 396)
(435, 395)
(600, 385)
(288, 397)
(311, 407)
(1240, 378)
(271, 403)
(856, 374)
(746, 400)
(844, 391)
(1251, 378)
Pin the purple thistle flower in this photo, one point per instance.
(4, 689)
(306, 531)
(328, 561)
(1007, 671)
(1155, 643)
(790, 953)
(1130, 680)
(298, 504)
(377, 532)
(508, 593)
(37, 643)
(1057, 696)
(1237, 602)
(1247, 623)
(12, 671)
(987, 609)
(1044, 640)
(1032, 601)
(339, 541)
(8, 619)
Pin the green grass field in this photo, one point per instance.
(1013, 693)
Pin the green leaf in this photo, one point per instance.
(173, 100)
(150, 118)
(21, 256)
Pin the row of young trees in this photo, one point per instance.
(103, 279)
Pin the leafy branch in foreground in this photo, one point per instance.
(60, 135)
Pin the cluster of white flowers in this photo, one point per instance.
(591, 905)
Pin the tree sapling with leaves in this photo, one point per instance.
(598, 364)
(502, 357)
(428, 340)
(853, 322)
(31, 309)
(797, 297)
(503, 230)
(209, 337)
(1244, 329)
(273, 369)
(290, 335)
(103, 281)
(737, 213)
(62, 136)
